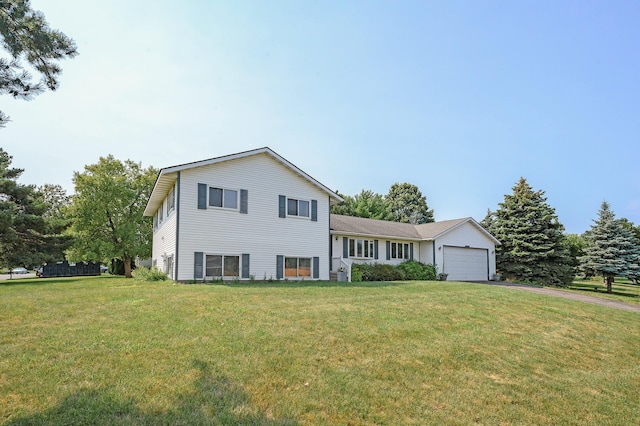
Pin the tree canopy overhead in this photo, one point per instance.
(403, 203)
(107, 211)
(27, 37)
(533, 247)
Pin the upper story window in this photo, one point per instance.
(171, 201)
(233, 199)
(225, 198)
(297, 207)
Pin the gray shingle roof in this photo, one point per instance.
(383, 228)
(363, 226)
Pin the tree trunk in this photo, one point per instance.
(609, 284)
(127, 267)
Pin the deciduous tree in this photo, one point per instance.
(533, 246)
(110, 198)
(26, 36)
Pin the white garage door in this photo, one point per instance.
(466, 264)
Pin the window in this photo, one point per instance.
(400, 251)
(160, 211)
(297, 207)
(169, 267)
(361, 248)
(225, 198)
(171, 201)
(222, 266)
(297, 267)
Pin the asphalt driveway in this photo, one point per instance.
(16, 276)
(615, 304)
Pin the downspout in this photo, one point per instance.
(177, 255)
(330, 242)
(434, 252)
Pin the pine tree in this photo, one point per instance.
(408, 205)
(612, 250)
(27, 234)
(27, 37)
(533, 248)
(489, 220)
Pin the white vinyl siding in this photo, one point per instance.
(260, 232)
(164, 244)
(465, 236)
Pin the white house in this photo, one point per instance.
(250, 214)
(256, 215)
(461, 248)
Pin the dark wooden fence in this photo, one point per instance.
(64, 269)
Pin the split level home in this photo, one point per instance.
(255, 215)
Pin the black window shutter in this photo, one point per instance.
(388, 250)
(375, 249)
(282, 206)
(197, 265)
(245, 266)
(202, 196)
(345, 247)
(411, 251)
(244, 201)
(314, 210)
(316, 267)
(279, 267)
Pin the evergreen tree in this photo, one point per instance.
(533, 248)
(611, 249)
(345, 207)
(489, 220)
(408, 205)
(575, 245)
(27, 236)
(27, 37)
(371, 205)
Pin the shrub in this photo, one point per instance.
(356, 274)
(143, 273)
(414, 270)
(409, 270)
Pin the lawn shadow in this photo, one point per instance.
(304, 284)
(215, 400)
(618, 289)
(54, 280)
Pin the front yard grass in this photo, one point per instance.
(623, 289)
(106, 350)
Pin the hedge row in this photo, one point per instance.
(408, 270)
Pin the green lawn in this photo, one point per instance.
(107, 350)
(623, 289)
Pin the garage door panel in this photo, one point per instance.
(465, 264)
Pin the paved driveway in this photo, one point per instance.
(16, 276)
(569, 295)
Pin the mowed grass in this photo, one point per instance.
(622, 289)
(112, 351)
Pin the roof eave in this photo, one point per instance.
(379, 236)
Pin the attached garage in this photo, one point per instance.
(461, 248)
(466, 264)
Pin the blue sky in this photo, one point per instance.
(460, 98)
